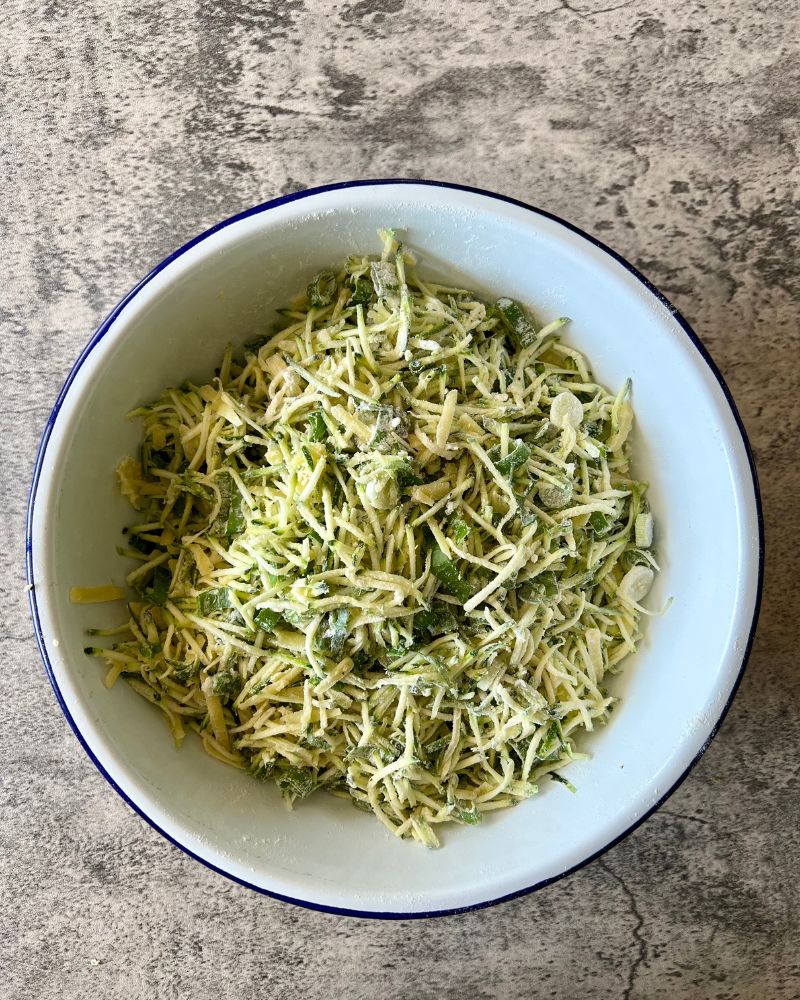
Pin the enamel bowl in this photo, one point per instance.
(690, 445)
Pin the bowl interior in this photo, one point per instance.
(226, 288)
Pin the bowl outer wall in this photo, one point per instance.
(691, 448)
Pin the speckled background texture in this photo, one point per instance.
(669, 130)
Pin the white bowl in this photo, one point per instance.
(691, 447)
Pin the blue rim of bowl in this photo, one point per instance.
(265, 207)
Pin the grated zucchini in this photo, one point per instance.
(390, 552)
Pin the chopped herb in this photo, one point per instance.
(296, 782)
(515, 459)
(543, 585)
(317, 428)
(438, 620)
(184, 672)
(552, 742)
(316, 741)
(236, 523)
(227, 683)
(261, 769)
(144, 546)
(634, 557)
(300, 619)
(214, 600)
(229, 521)
(470, 815)
(405, 476)
(157, 588)
(435, 747)
(254, 345)
(266, 619)
(446, 573)
(363, 292)
(599, 523)
(334, 631)
(362, 661)
(548, 581)
(460, 530)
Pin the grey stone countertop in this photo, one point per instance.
(666, 128)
